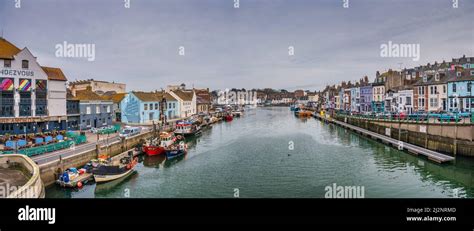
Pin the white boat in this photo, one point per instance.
(107, 178)
(186, 128)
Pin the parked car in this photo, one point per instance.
(130, 131)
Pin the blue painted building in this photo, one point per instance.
(145, 107)
(460, 90)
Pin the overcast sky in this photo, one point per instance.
(243, 48)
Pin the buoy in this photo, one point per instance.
(79, 184)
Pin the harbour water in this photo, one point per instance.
(268, 153)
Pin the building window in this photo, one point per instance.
(469, 85)
(97, 110)
(108, 109)
(88, 110)
(146, 107)
(444, 88)
(454, 87)
(7, 63)
(151, 106)
(156, 106)
(24, 64)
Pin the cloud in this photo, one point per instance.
(243, 48)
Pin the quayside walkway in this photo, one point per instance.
(417, 150)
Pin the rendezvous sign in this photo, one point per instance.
(16, 73)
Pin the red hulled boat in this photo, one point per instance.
(228, 118)
(153, 149)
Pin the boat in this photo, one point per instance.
(237, 113)
(304, 113)
(214, 119)
(73, 177)
(176, 150)
(152, 149)
(186, 128)
(293, 107)
(106, 173)
(297, 111)
(228, 117)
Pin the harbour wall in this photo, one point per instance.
(450, 138)
(34, 187)
(50, 171)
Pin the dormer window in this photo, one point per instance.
(24, 64)
(458, 74)
(436, 77)
(425, 78)
(7, 63)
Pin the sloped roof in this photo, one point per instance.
(153, 96)
(87, 95)
(54, 73)
(184, 95)
(7, 49)
(203, 96)
(116, 98)
(465, 76)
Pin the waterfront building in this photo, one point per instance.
(405, 101)
(98, 87)
(355, 99)
(391, 101)
(460, 90)
(347, 99)
(116, 99)
(299, 93)
(145, 107)
(73, 112)
(186, 100)
(337, 101)
(378, 93)
(95, 111)
(366, 98)
(437, 92)
(203, 100)
(32, 97)
(313, 97)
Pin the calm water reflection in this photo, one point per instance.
(252, 154)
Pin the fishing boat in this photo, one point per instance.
(73, 177)
(228, 117)
(186, 128)
(106, 173)
(304, 113)
(153, 148)
(297, 111)
(237, 113)
(176, 150)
